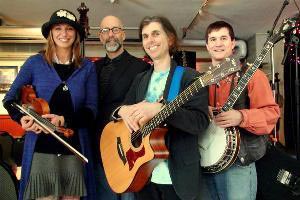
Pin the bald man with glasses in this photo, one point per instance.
(116, 72)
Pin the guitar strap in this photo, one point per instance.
(175, 84)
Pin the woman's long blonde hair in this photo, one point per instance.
(50, 49)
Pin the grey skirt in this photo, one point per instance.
(55, 175)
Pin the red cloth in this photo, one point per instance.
(263, 114)
(7, 125)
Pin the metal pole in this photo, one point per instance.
(273, 88)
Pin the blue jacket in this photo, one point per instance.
(83, 88)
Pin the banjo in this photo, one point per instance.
(219, 147)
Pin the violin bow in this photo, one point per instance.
(39, 122)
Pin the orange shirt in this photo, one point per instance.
(264, 112)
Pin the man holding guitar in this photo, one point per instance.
(255, 114)
(116, 72)
(178, 177)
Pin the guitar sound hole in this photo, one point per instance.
(136, 139)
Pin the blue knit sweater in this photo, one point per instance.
(83, 89)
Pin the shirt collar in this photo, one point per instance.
(116, 59)
(56, 60)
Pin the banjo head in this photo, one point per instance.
(218, 147)
(212, 145)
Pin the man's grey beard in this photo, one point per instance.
(112, 48)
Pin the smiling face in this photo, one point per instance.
(155, 40)
(220, 45)
(63, 35)
(112, 34)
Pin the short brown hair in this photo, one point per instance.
(217, 26)
(167, 27)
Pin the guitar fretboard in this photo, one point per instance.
(218, 72)
(213, 75)
(171, 107)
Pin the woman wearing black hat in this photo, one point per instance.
(69, 84)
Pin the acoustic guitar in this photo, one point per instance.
(129, 158)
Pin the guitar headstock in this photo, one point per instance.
(286, 26)
(220, 71)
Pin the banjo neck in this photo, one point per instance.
(237, 91)
(286, 26)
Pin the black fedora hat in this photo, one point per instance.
(63, 16)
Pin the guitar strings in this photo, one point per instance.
(184, 96)
(168, 109)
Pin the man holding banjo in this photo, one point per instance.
(254, 115)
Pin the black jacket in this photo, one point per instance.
(126, 67)
(184, 126)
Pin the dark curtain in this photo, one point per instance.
(291, 87)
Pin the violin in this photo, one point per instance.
(41, 107)
(35, 107)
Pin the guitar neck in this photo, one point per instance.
(213, 75)
(173, 106)
(246, 78)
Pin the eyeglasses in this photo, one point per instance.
(115, 30)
